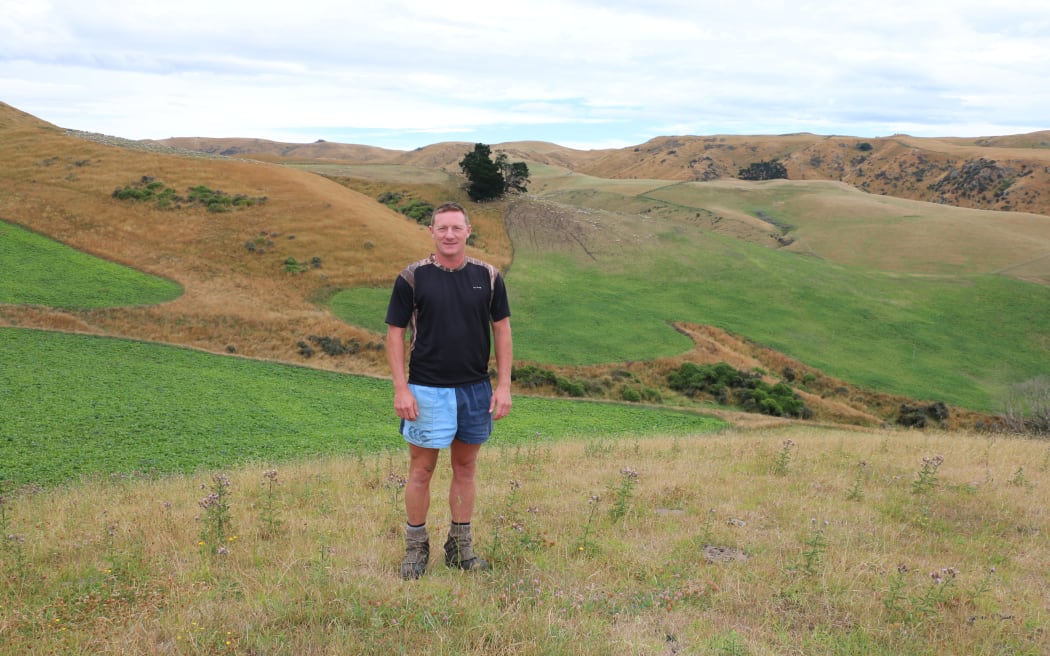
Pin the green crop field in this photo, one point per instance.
(41, 271)
(79, 405)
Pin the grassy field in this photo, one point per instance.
(41, 271)
(91, 406)
(923, 336)
(788, 541)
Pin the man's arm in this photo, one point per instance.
(501, 400)
(404, 402)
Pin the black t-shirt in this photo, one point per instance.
(449, 314)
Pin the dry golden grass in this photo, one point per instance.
(772, 541)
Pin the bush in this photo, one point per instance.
(418, 210)
(529, 377)
(727, 385)
(630, 394)
(149, 188)
(691, 379)
(334, 346)
(771, 170)
(921, 416)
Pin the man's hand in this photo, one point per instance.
(501, 402)
(405, 404)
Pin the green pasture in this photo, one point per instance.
(944, 329)
(956, 339)
(959, 339)
(41, 271)
(76, 405)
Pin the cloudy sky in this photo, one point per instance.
(581, 73)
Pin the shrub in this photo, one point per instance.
(630, 394)
(418, 210)
(727, 385)
(770, 170)
(921, 416)
(334, 346)
(691, 378)
(149, 188)
(530, 376)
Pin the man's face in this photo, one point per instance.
(450, 231)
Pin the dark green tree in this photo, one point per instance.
(485, 180)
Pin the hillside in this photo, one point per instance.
(236, 300)
(999, 173)
(242, 297)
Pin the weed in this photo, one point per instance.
(598, 448)
(913, 608)
(506, 518)
(815, 547)
(320, 568)
(216, 522)
(981, 588)
(780, 465)
(927, 479)
(1019, 479)
(622, 494)
(269, 512)
(855, 493)
(395, 483)
(585, 545)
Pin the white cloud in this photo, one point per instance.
(602, 73)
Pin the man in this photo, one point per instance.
(450, 302)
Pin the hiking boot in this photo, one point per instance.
(417, 553)
(459, 551)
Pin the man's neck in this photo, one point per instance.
(453, 264)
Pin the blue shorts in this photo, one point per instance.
(448, 413)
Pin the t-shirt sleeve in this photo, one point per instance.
(399, 310)
(500, 307)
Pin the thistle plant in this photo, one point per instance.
(815, 547)
(780, 465)
(269, 513)
(396, 484)
(622, 494)
(507, 518)
(855, 493)
(938, 592)
(927, 479)
(216, 522)
(981, 588)
(585, 545)
(912, 608)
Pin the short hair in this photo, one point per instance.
(449, 207)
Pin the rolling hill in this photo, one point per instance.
(256, 280)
